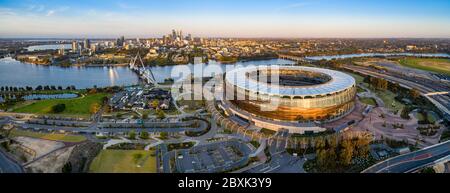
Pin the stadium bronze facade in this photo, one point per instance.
(291, 93)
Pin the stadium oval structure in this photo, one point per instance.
(291, 93)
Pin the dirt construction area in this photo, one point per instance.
(51, 163)
(36, 148)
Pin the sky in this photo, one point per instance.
(225, 18)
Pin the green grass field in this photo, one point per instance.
(388, 98)
(124, 161)
(437, 65)
(77, 106)
(360, 90)
(358, 78)
(419, 116)
(369, 101)
(429, 117)
(48, 136)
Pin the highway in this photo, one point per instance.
(441, 101)
(411, 161)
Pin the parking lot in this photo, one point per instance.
(213, 157)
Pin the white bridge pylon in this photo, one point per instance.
(437, 93)
(145, 73)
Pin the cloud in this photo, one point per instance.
(40, 8)
(36, 8)
(50, 13)
(7, 12)
(292, 6)
(124, 5)
(54, 11)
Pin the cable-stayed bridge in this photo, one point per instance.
(145, 74)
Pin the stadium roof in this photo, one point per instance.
(339, 82)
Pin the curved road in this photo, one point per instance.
(411, 161)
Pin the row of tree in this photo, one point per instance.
(38, 88)
(336, 153)
(377, 83)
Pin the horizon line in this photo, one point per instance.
(221, 37)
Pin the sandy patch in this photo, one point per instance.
(51, 163)
(38, 147)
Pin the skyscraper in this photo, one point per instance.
(120, 41)
(74, 46)
(87, 44)
(174, 34)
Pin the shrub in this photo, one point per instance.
(58, 108)
(143, 135)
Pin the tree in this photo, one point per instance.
(105, 100)
(132, 134)
(332, 142)
(319, 143)
(362, 146)
(163, 135)
(155, 104)
(405, 112)
(58, 108)
(160, 114)
(93, 91)
(428, 170)
(95, 107)
(330, 159)
(395, 87)
(346, 153)
(67, 168)
(144, 135)
(321, 157)
(145, 115)
(414, 93)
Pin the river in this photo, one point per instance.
(18, 74)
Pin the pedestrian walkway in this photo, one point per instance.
(112, 142)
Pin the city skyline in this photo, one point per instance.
(247, 19)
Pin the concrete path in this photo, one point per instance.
(116, 141)
(158, 141)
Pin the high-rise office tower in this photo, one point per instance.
(174, 34)
(120, 41)
(74, 46)
(87, 44)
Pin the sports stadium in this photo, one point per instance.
(289, 94)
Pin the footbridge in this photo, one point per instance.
(145, 74)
